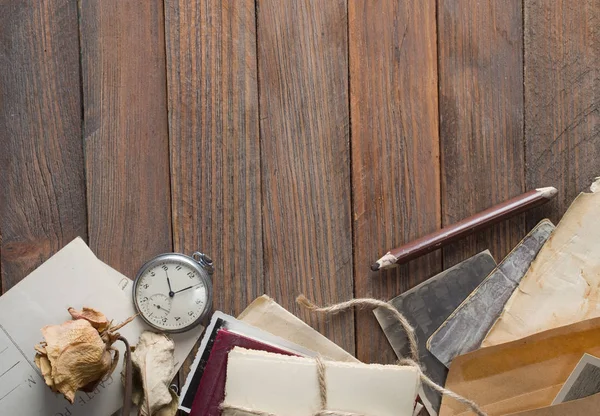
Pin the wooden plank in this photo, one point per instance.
(481, 118)
(562, 98)
(125, 131)
(42, 206)
(304, 125)
(215, 152)
(395, 149)
(215, 149)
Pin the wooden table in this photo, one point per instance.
(294, 141)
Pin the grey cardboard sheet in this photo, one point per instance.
(467, 326)
(426, 306)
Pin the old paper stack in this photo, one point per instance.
(266, 314)
(514, 342)
(527, 374)
(562, 286)
(426, 306)
(467, 326)
(275, 370)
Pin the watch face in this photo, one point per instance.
(172, 293)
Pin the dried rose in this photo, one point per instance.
(78, 354)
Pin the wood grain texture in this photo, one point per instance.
(304, 125)
(395, 159)
(42, 201)
(125, 131)
(562, 98)
(481, 118)
(215, 148)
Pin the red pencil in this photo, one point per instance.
(453, 232)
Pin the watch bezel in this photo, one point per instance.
(175, 257)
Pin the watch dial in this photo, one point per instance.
(171, 295)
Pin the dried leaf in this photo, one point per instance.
(94, 317)
(154, 368)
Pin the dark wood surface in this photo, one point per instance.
(481, 118)
(294, 141)
(125, 133)
(395, 149)
(562, 98)
(215, 147)
(305, 157)
(42, 181)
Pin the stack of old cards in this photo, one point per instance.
(537, 312)
(271, 367)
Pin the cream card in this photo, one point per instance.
(288, 386)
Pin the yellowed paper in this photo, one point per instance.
(266, 314)
(562, 284)
(288, 386)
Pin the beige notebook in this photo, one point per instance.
(562, 285)
(288, 386)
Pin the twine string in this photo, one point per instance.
(426, 380)
(321, 378)
(362, 304)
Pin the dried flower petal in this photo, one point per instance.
(79, 366)
(43, 364)
(153, 367)
(94, 317)
(75, 356)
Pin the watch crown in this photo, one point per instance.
(205, 261)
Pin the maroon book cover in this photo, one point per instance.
(211, 391)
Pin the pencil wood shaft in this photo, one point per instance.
(469, 225)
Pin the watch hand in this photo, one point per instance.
(162, 308)
(189, 287)
(171, 293)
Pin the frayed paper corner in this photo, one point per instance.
(595, 186)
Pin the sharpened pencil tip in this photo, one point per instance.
(375, 267)
(548, 192)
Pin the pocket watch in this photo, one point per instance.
(173, 292)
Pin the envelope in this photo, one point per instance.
(520, 376)
(582, 407)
